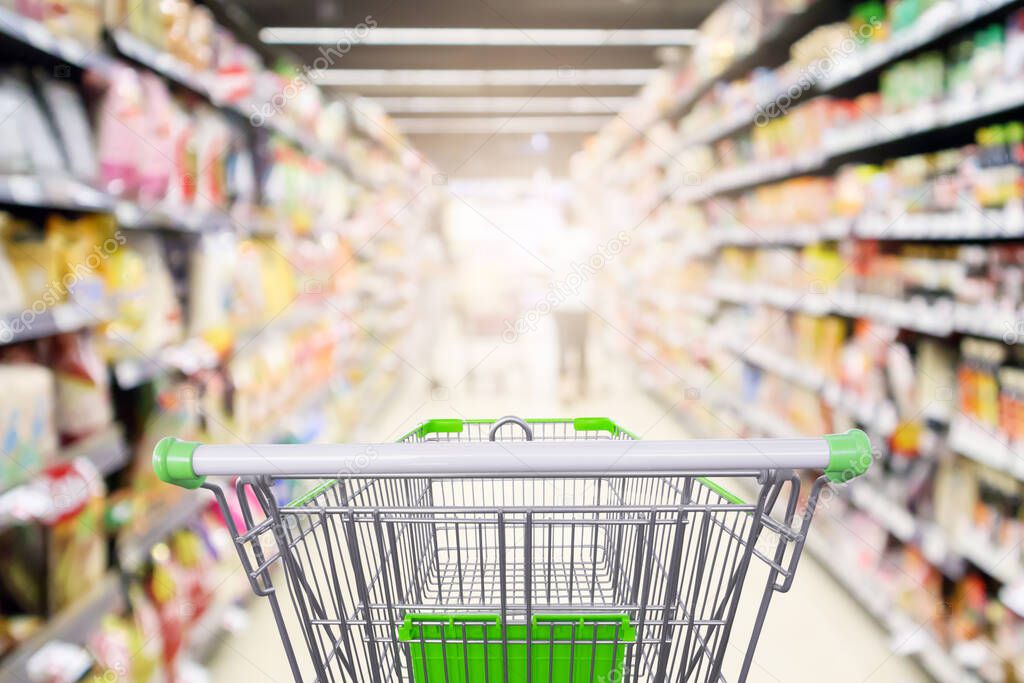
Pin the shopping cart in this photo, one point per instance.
(518, 550)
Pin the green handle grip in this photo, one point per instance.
(172, 462)
(849, 455)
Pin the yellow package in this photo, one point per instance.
(125, 278)
(36, 263)
(85, 247)
(278, 280)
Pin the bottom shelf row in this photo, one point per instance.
(953, 604)
(163, 616)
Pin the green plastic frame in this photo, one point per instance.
(471, 648)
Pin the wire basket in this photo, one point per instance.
(520, 550)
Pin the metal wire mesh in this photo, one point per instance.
(363, 553)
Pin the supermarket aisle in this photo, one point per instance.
(808, 629)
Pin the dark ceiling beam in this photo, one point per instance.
(606, 14)
(452, 57)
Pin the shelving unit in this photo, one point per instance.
(367, 171)
(720, 353)
(70, 317)
(931, 656)
(19, 31)
(778, 37)
(106, 450)
(75, 626)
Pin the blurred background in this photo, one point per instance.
(252, 221)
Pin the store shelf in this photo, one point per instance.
(133, 550)
(877, 132)
(795, 235)
(28, 325)
(939, 22)
(106, 450)
(24, 501)
(932, 657)
(946, 554)
(121, 42)
(968, 225)
(139, 51)
(840, 144)
(68, 194)
(786, 31)
(75, 625)
(939, 318)
(1002, 564)
(135, 216)
(26, 32)
(51, 192)
(777, 363)
(939, 550)
(943, 20)
(879, 416)
(985, 446)
(174, 70)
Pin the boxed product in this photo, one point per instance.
(59, 554)
(82, 388)
(26, 421)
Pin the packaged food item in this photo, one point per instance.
(36, 260)
(77, 19)
(71, 123)
(179, 584)
(977, 381)
(128, 648)
(26, 421)
(34, 149)
(85, 247)
(60, 553)
(122, 121)
(12, 295)
(82, 390)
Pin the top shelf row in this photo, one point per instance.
(825, 75)
(26, 34)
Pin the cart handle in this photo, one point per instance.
(510, 419)
(187, 464)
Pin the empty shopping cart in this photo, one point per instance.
(519, 550)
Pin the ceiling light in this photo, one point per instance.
(502, 105)
(517, 125)
(582, 37)
(405, 78)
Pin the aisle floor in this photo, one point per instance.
(814, 632)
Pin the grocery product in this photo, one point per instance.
(59, 553)
(27, 415)
(83, 403)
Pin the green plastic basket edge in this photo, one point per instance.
(411, 628)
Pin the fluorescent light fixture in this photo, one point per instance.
(517, 125)
(503, 105)
(514, 37)
(477, 78)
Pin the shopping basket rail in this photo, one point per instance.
(841, 456)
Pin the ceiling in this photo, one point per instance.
(484, 154)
